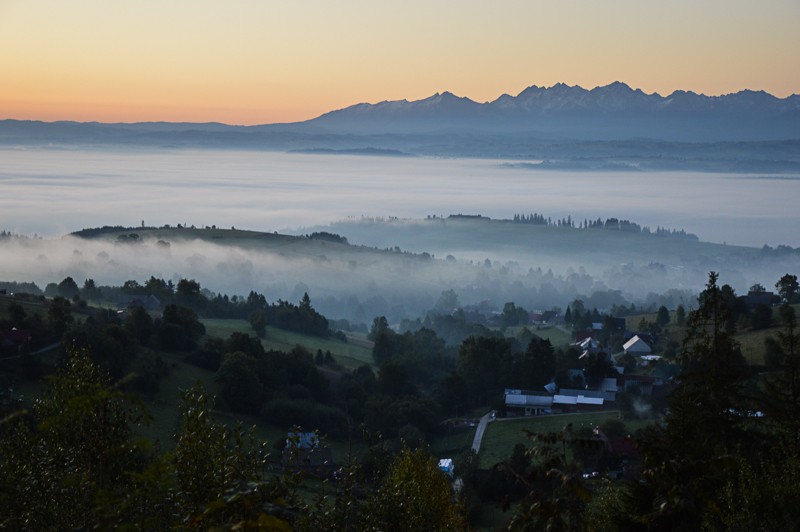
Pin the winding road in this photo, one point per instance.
(476, 442)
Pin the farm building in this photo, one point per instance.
(572, 403)
(525, 403)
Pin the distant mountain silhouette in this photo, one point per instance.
(566, 125)
(614, 111)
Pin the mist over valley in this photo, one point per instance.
(404, 247)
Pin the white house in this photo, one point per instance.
(528, 404)
(637, 346)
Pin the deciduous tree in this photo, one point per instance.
(788, 288)
(414, 495)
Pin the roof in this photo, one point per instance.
(588, 343)
(605, 394)
(572, 392)
(579, 400)
(608, 384)
(528, 400)
(647, 337)
(637, 344)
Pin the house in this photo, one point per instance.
(304, 452)
(527, 403)
(637, 346)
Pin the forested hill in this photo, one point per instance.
(357, 269)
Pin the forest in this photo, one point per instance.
(716, 446)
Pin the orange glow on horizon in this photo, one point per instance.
(245, 62)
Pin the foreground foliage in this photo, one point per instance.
(73, 462)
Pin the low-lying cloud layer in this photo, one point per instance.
(359, 283)
(56, 191)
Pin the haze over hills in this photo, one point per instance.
(399, 268)
(563, 127)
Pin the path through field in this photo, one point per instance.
(476, 442)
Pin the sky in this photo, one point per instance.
(264, 61)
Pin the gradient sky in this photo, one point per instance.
(262, 61)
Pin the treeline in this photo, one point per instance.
(474, 373)
(156, 294)
(328, 237)
(611, 224)
(14, 287)
(8, 235)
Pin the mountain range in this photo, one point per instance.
(565, 127)
(614, 111)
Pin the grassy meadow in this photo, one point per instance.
(351, 354)
(502, 435)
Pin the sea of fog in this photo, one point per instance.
(54, 191)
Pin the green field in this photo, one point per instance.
(556, 336)
(453, 444)
(31, 307)
(350, 355)
(502, 435)
(163, 406)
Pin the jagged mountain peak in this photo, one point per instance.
(444, 97)
(567, 108)
(614, 86)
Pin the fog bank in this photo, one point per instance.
(56, 191)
